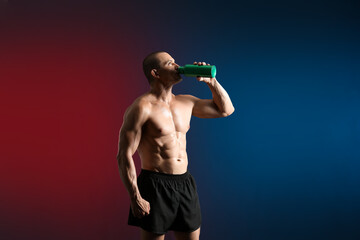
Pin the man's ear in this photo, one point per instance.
(154, 73)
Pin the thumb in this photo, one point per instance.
(148, 208)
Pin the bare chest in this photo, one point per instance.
(167, 119)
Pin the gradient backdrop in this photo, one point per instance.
(285, 165)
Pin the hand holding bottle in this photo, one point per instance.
(202, 71)
(205, 79)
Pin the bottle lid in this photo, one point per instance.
(180, 70)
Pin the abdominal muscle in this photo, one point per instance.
(166, 154)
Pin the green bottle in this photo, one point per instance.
(192, 70)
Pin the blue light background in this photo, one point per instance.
(285, 165)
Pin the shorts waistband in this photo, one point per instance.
(166, 176)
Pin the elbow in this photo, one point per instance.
(123, 158)
(228, 113)
(120, 157)
(121, 162)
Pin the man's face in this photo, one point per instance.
(168, 69)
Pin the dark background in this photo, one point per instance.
(285, 165)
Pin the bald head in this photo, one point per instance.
(150, 62)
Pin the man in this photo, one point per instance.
(164, 195)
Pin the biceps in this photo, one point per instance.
(129, 141)
(206, 108)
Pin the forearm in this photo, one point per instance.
(220, 97)
(128, 175)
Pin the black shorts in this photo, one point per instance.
(174, 202)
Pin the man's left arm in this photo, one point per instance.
(219, 106)
(220, 97)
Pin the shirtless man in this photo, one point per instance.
(163, 197)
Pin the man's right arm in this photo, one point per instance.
(129, 139)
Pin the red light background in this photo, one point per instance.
(64, 89)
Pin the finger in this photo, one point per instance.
(195, 63)
(203, 63)
(147, 205)
(208, 64)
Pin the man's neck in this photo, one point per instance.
(163, 94)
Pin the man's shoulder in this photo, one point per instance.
(142, 101)
(140, 105)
